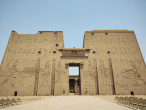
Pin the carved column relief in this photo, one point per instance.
(58, 74)
(58, 79)
(104, 73)
(93, 76)
(46, 74)
(105, 78)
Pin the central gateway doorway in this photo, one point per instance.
(74, 79)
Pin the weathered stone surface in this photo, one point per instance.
(110, 62)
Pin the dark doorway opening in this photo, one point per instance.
(74, 79)
(15, 93)
(132, 93)
(72, 85)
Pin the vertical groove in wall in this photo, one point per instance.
(111, 73)
(53, 77)
(80, 79)
(96, 77)
(37, 77)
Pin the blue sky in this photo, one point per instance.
(73, 17)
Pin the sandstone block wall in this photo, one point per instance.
(110, 62)
(119, 49)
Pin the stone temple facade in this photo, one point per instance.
(110, 62)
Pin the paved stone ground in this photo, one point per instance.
(69, 103)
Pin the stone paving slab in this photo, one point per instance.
(69, 103)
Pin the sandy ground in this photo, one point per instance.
(68, 103)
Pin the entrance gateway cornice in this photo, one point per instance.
(74, 53)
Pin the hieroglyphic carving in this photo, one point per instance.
(123, 40)
(50, 51)
(45, 52)
(19, 50)
(58, 74)
(105, 74)
(122, 50)
(90, 69)
(34, 51)
(125, 50)
(92, 74)
(12, 67)
(46, 74)
(118, 40)
(115, 40)
(10, 50)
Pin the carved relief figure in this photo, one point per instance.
(58, 76)
(132, 73)
(90, 70)
(104, 73)
(12, 67)
(46, 74)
